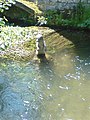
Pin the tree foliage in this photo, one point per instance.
(4, 5)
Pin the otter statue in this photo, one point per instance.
(40, 46)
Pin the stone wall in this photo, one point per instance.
(58, 4)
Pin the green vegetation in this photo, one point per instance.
(17, 42)
(10, 36)
(4, 5)
(79, 16)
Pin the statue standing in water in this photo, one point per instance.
(40, 46)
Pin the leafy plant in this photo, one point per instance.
(80, 9)
(4, 5)
(85, 24)
(79, 16)
(2, 23)
(10, 36)
(41, 20)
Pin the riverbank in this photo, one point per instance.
(18, 43)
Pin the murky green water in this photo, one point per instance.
(55, 90)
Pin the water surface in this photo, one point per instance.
(54, 90)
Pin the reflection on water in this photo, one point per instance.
(54, 90)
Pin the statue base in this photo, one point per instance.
(41, 56)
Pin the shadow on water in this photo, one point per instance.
(49, 84)
(79, 38)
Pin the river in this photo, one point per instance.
(57, 89)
